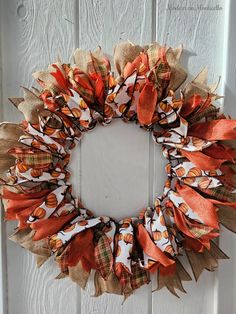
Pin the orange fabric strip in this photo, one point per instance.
(23, 196)
(220, 151)
(83, 81)
(167, 271)
(193, 245)
(140, 64)
(233, 205)
(88, 262)
(150, 248)
(147, 104)
(228, 177)
(121, 272)
(202, 206)
(23, 215)
(181, 223)
(222, 129)
(14, 206)
(99, 88)
(203, 161)
(192, 103)
(49, 226)
(81, 247)
(61, 80)
(21, 205)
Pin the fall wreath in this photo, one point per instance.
(197, 140)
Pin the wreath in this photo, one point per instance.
(197, 139)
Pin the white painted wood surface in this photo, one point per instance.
(117, 169)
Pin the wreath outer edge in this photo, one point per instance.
(197, 140)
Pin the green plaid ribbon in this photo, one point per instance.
(103, 256)
(32, 158)
(85, 93)
(209, 113)
(160, 76)
(198, 232)
(124, 278)
(139, 276)
(220, 193)
(99, 67)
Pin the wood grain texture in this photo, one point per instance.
(3, 257)
(34, 33)
(199, 26)
(226, 272)
(3, 265)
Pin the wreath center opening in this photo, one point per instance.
(110, 169)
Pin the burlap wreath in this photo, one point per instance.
(197, 140)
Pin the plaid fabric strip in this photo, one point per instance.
(160, 75)
(37, 160)
(210, 113)
(98, 67)
(87, 95)
(162, 72)
(61, 258)
(124, 278)
(33, 158)
(228, 184)
(221, 193)
(198, 232)
(103, 256)
(139, 277)
(84, 88)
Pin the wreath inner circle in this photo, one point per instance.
(116, 165)
(197, 141)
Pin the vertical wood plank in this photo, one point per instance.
(201, 31)
(226, 273)
(3, 255)
(3, 265)
(34, 34)
(115, 159)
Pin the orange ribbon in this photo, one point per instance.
(181, 223)
(227, 178)
(194, 245)
(99, 88)
(140, 64)
(61, 80)
(231, 204)
(81, 247)
(150, 248)
(222, 129)
(23, 196)
(200, 205)
(220, 151)
(167, 271)
(50, 226)
(203, 161)
(147, 103)
(21, 205)
(192, 103)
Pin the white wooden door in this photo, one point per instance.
(128, 168)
